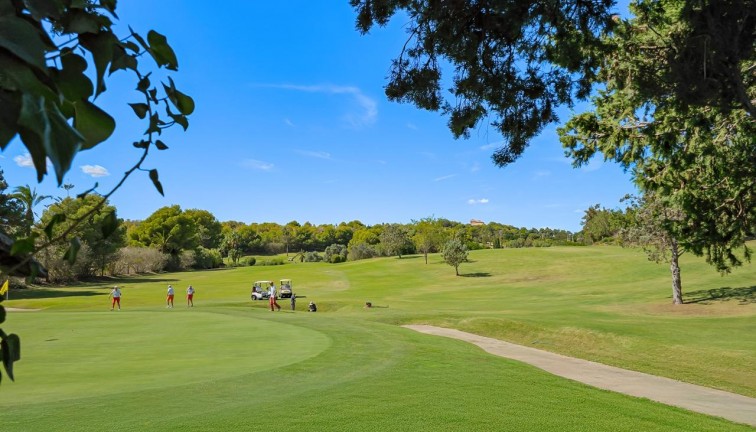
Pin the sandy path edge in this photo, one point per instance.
(718, 403)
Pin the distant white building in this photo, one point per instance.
(475, 222)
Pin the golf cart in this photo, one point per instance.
(286, 288)
(261, 290)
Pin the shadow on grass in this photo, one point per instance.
(478, 274)
(744, 295)
(39, 293)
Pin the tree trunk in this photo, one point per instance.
(456, 269)
(674, 267)
(426, 256)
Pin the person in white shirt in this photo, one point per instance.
(272, 298)
(116, 295)
(190, 297)
(169, 299)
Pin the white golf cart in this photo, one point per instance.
(261, 290)
(286, 288)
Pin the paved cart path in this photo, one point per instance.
(733, 407)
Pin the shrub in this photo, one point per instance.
(361, 251)
(141, 260)
(335, 253)
(312, 257)
(271, 262)
(251, 261)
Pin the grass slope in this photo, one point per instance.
(228, 364)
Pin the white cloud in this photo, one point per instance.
(541, 173)
(24, 160)
(95, 170)
(477, 201)
(491, 146)
(315, 154)
(446, 177)
(475, 167)
(257, 165)
(289, 122)
(369, 107)
(411, 126)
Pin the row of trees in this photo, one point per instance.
(178, 238)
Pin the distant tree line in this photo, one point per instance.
(173, 238)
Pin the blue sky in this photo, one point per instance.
(292, 124)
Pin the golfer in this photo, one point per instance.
(116, 295)
(190, 297)
(169, 299)
(272, 298)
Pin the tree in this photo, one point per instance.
(394, 239)
(700, 159)
(168, 230)
(455, 253)
(675, 101)
(513, 62)
(428, 236)
(100, 234)
(29, 198)
(11, 210)
(208, 227)
(601, 223)
(650, 229)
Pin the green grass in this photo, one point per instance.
(228, 364)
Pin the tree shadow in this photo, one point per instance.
(39, 293)
(744, 295)
(478, 274)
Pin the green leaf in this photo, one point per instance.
(144, 84)
(71, 80)
(110, 6)
(154, 125)
(109, 224)
(47, 134)
(23, 40)
(141, 144)
(101, 46)
(18, 75)
(178, 118)
(23, 246)
(182, 102)
(122, 60)
(73, 250)
(160, 145)
(41, 9)
(56, 219)
(155, 181)
(161, 51)
(139, 39)
(10, 107)
(93, 123)
(81, 22)
(10, 348)
(140, 109)
(130, 46)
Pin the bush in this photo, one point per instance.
(251, 261)
(361, 251)
(207, 258)
(271, 262)
(141, 260)
(312, 257)
(335, 253)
